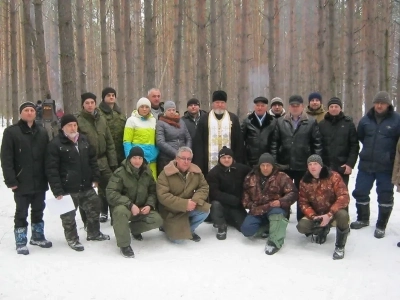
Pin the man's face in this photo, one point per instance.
(89, 105)
(295, 109)
(277, 108)
(219, 106)
(28, 114)
(266, 169)
(381, 107)
(315, 104)
(70, 129)
(193, 109)
(183, 161)
(110, 98)
(143, 110)
(314, 168)
(155, 98)
(334, 109)
(226, 160)
(260, 108)
(136, 161)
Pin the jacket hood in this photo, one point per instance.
(171, 168)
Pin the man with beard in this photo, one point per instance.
(157, 107)
(315, 107)
(191, 117)
(216, 129)
(277, 109)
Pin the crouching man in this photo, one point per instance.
(182, 192)
(131, 192)
(268, 194)
(71, 168)
(323, 199)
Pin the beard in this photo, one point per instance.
(72, 135)
(219, 111)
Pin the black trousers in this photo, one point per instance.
(225, 214)
(296, 177)
(36, 201)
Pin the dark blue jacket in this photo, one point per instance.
(379, 141)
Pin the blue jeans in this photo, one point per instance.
(384, 188)
(195, 219)
(252, 223)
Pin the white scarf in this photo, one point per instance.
(219, 135)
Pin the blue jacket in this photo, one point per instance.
(379, 141)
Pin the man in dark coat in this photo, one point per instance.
(257, 130)
(191, 117)
(71, 166)
(226, 188)
(216, 129)
(22, 159)
(296, 137)
(339, 140)
(378, 131)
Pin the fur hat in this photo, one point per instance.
(219, 96)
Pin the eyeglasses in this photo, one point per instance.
(185, 158)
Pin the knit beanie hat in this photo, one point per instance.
(143, 101)
(225, 151)
(193, 101)
(27, 104)
(68, 118)
(86, 96)
(383, 97)
(136, 151)
(219, 96)
(335, 100)
(315, 158)
(168, 105)
(106, 91)
(315, 95)
(276, 100)
(266, 158)
(261, 99)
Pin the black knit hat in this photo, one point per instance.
(266, 158)
(136, 151)
(225, 151)
(295, 99)
(315, 95)
(315, 158)
(335, 100)
(25, 105)
(68, 118)
(193, 101)
(86, 96)
(219, 96)
(106, 91)
(261, 99)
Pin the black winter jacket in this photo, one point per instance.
(191, 124)
(291, 147)
(226, 184)
(339, 141)
(70, 170)
(379, 141)
(23, 151)
(257, 139)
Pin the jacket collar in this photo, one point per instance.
(189, 116)
(276, 116)
(90, 117)
(107, 109)
(371, 112)
(128, 167)
(315, 112)
(325, 173)
(303, 116)
(255, 121)
(25, 128)
(334, 119)
(171, 169)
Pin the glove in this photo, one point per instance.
(283, 167)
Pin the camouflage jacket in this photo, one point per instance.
(99, 135)
(278, 186)
(325, 195)
(116, 122)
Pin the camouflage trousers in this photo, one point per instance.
(89, 202)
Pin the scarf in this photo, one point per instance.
(219, 136)
(171, 121)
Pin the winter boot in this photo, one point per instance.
(99, 237)
(137, 237)
(383, 218)
(277, 230)
(75, 245)
(103, 218)
(222, 231)
(127, 252)
(21, 240)
(195, 237)
(341, 238)
(363, 213)
(37, 237)
(270, 248)
(322, 234)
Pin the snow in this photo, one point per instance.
(236, 268)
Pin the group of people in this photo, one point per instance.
(157, 170)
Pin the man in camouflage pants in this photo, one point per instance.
(71, 166)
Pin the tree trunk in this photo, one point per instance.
(28, 51)
(178, 9)
(349, 101)
(105, 56)
(271, 46)
(8, 101)
(130, 79)
(243, 95)
(202, 70)
(224, 49)
(119, 45)
(397, 104)
(213, 46)
(331, 88)
(67, 56)
(370, 61)
(320, 44)
(139, 51)
(276, 33)
(81, 45)
(291, 44)
(14, 60)
(149, 46)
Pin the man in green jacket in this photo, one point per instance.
(115, 120)
(94, 126)
(132, 194)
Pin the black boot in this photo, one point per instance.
(383, 218)
(127, 252)
(363, 213)
(341, 238)
(222, 230)
(138, 237)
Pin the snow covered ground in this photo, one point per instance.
(236, 268)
